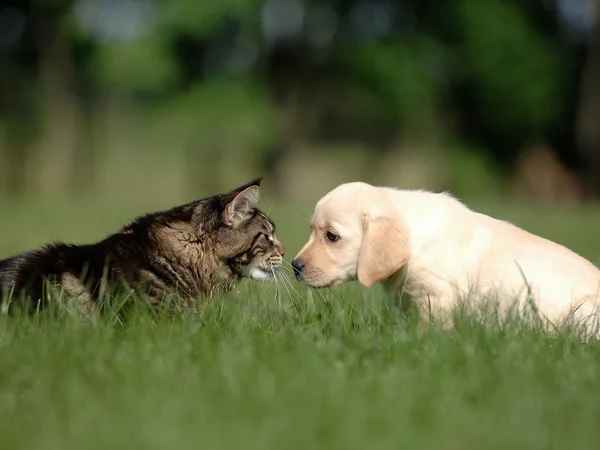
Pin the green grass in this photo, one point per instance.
(267, 367)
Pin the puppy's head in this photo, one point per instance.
(356, 233)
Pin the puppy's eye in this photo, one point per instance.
(331, 236)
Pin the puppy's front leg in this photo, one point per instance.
(426, 310)
(433, 309)
(403, 303)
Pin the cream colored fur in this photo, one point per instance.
(436, 250)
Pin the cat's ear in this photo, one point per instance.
(241, 204)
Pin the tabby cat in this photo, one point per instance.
(193, 250)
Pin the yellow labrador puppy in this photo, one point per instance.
(436, 250)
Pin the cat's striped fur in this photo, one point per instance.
(193, 250)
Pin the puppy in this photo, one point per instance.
(434, 250)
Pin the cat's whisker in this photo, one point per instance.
(275, 279)
(289, 282)
(289, 264)
(304, 211)
(283, 279)
(285, 286)
(272, 281)
(289, 278)
(330, 290)
(278, 293)
(291, 300)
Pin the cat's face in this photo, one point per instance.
(261, 252)
(244, 238)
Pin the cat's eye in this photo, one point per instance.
(331, 237)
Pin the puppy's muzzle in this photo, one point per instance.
(298, 266)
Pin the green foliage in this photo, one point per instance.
(501, 52)
(395, 72)
(201, 18)
(518, 73)
(141, 65)
(229, 114)
(472, 172)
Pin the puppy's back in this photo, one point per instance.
(494, 250)
(432, 217)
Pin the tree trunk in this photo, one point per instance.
(65, 166)
(588, 116)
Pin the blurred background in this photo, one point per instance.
(156, 102)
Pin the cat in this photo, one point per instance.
(194, 250)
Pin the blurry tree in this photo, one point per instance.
(515, 75)
(18, 108)
(246, 80)
(588, 114)
(42, 93)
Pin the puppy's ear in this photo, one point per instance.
(384, 248)
(240, 205)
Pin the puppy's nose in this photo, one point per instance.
(298, 265)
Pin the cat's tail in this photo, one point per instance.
(5, 277)
(3, 264)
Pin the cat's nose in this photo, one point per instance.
(298, 265)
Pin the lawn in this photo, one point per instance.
(280, 366)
